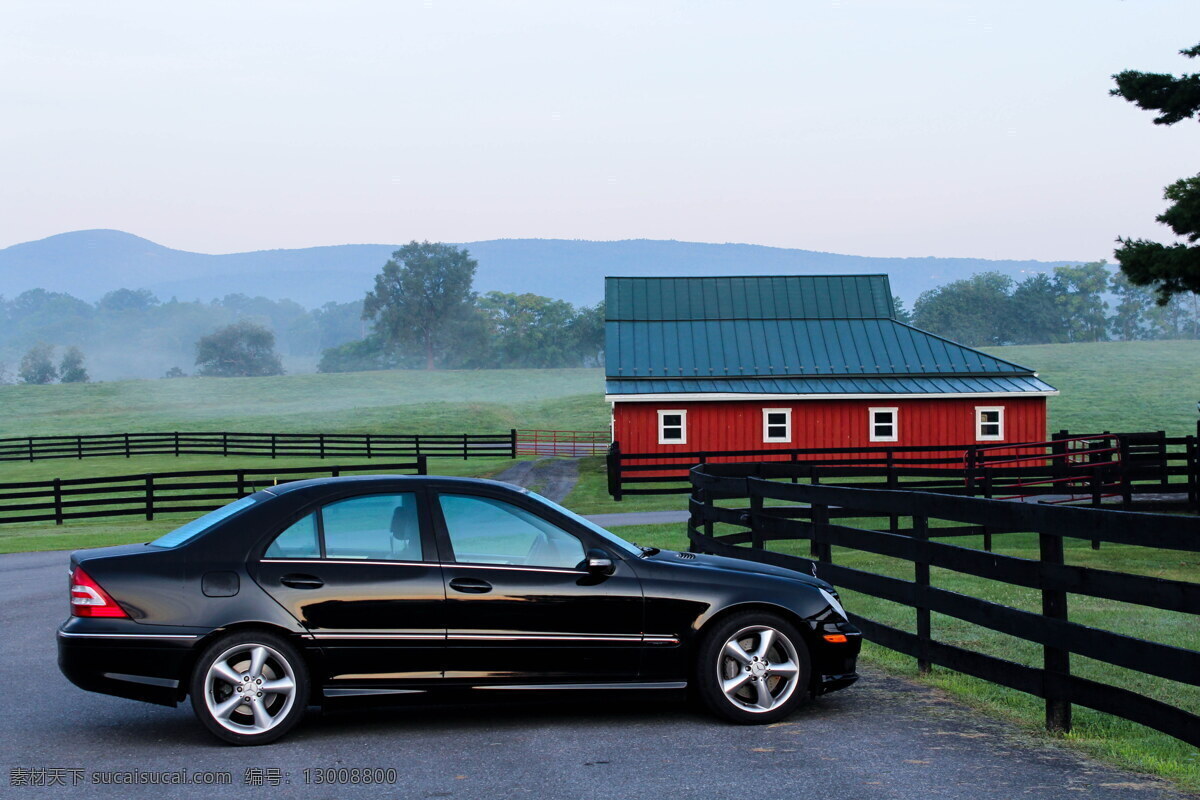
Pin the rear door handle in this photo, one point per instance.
(470, 586)
(302, 581)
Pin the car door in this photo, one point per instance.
(521, 608)
(361, 574)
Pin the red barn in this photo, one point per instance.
(752, 363)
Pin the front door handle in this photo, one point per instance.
(302, 581)
(470, 586)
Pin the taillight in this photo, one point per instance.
(88, 599)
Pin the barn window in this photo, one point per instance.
(672, 427)
(989, 423)
(884, 425)
(777, 424)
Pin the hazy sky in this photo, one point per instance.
(890, 128)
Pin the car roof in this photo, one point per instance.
(349, 481)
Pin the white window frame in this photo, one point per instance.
(895, 412)
(979, 423)
(787, 425)
(662, 412)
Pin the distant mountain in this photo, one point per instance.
(89, 263)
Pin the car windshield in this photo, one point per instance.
(613, 539)
(199, 525)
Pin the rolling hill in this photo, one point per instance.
(89, 263)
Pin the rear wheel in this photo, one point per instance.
(249, 688)
(753, 668)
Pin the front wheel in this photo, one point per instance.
(249, 688)
(753, 668)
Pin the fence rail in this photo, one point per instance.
(273, 445)
(817, 505)
(148, 494)
(1082, 468)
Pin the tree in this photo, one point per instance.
(1170, 269)
(243, 349)
(902, 313)
(422, 295)
(120, 300)
(37, 365)
(529, 330)
(360, 356)
(175, 372)
(1080, 294)
(1037, 314)
(975, 311)
(1130, 321)
(71, 369)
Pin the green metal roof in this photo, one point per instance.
(840, 385)
(674, 334)
(751, 297)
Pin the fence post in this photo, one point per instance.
(422, 464)
(756, 506)
(31, 448)
(241, 479)
(819, 515)
(921, 565)
(613, 466)
(149, 498)
(58, 503)
(1126, 472)
(224, 443)
(368, 445)
(1192, 465)
(272, 445)
(512, 435)
(127, 445)
(177, 444)
(972, 465)
(892, 483)
(321, 444)
(464, 447)
(335, 473)
(1056, 661)
(79, 447)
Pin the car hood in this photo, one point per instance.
(724, 564)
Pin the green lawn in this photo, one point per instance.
(1117, 386)
(402, 401)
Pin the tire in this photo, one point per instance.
(730, 681)
(258, 660)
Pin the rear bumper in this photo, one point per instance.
(151, 667)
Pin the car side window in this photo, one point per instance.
(379, 527)
(487, 531)
(298, 540)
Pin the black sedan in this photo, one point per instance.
(375, 588)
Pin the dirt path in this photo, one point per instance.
(552, 478)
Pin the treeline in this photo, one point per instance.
(1085, 303)
(132, 333)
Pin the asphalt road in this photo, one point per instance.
(882, 739)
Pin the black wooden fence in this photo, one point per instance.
(273, 445)
(1091, 467)
(759, 523)
(159, 493)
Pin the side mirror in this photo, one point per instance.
(599, 562)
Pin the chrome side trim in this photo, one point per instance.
(165, 683)
(348, 561)
(398, 636)
(516, 567)
(443, 564)
(127, 635)
(573, 686)
(499, 637)
(368, 692)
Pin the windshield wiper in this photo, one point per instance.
(648, 551)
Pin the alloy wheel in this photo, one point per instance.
(249, 688)
(757, 669)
